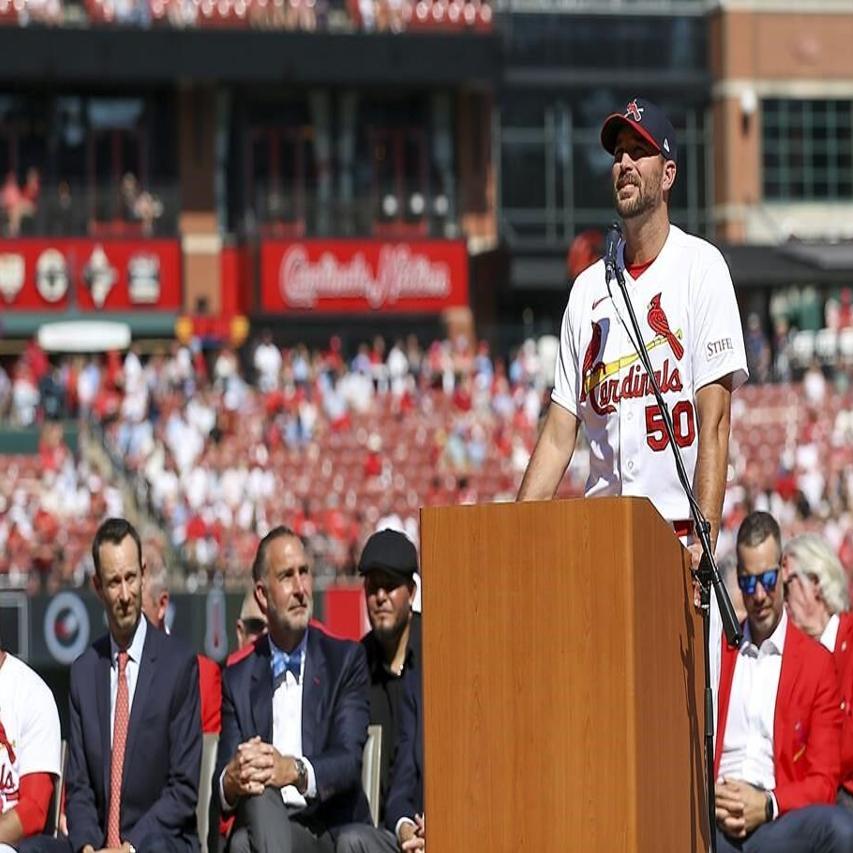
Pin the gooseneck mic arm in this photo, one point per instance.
(708, 574)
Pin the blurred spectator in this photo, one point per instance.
(20, 204)
(267, 363)
(60, 213)
(781, 342)
(816, 593)
(814, 384)
(757, 350)
(139, 205)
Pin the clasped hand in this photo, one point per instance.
(257, 765)
(413, 835)
(740, 807)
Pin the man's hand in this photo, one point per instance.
(413, 835)
(740, 807)
(250, 770)
(805, 604)
(695, 550)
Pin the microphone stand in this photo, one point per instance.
(708, 575)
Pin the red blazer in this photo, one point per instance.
(210, 689)
(844, 666)
(807, 722)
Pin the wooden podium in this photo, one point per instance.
(563, 685)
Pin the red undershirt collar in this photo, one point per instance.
(636, 270)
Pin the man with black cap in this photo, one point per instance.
(685, 304)
(393, 645)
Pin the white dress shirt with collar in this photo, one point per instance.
(131, 672)
(287, 726)
(829, 637)
(748, 739)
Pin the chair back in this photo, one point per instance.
(371, 768)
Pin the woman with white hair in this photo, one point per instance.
(816, 593)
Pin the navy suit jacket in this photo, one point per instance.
(335, 715)
(162, 755)
(406, 784)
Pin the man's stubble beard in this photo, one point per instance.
(647, 199)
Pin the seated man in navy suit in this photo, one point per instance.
(404, 811)
(294, 718)
(135, 724)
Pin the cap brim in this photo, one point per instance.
(610, 130)
(390, 570)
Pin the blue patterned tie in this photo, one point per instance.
(282, 663)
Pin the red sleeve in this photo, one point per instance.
(210, 688)
(34, 801)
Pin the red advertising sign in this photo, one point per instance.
(90, 275)
(345, 276)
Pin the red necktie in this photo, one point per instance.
(122, 715)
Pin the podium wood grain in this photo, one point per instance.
(562, 680)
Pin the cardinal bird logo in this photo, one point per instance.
(4, 741)
(592, 363)
(592, 349)
(659, 324)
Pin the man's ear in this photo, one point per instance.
(669, 172)
(261, 596)
(163, 604)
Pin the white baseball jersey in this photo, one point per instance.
(687, 312)
(29, 729)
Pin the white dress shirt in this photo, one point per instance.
(287, 727)
(131, 672)
(748, 739)
(829, 637)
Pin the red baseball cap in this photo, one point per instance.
(646, 119)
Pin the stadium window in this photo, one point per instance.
(281, 165)
(400, 180)
(807, 149)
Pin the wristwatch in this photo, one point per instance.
(768, 808)
(301, 775)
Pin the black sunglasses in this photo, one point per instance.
(768, 579)
(254, 626)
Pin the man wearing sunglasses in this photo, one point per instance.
(818, 602)
(778, 732)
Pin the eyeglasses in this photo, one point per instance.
(768, 579)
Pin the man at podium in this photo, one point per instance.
(684, 299)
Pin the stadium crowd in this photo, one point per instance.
(220, 447)
(305, 15)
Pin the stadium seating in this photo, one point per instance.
(345, 449)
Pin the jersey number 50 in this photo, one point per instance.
(683, 425)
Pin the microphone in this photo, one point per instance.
(611, 251)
